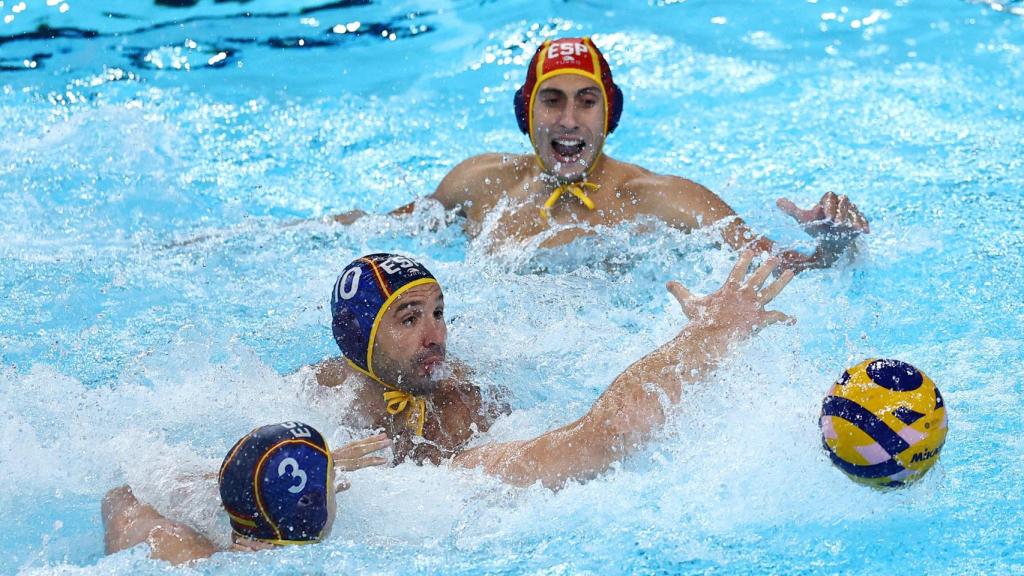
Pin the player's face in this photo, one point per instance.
(568, 124)
(410, 348)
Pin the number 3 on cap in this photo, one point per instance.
(295, 472)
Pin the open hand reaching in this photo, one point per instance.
(738, 307)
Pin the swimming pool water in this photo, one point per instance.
(128, 357)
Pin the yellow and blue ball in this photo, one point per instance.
(883, 423)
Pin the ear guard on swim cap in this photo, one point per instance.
(364, 291)
(274, 484)
(568, 56)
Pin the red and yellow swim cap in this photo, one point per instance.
(568, 56)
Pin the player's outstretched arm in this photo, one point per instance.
(635, 404)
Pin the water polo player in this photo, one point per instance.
(277, 485)
(568, 104)
(388, 321)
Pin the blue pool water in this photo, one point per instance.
(129, 358)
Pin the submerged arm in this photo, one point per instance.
(634, 405)
(834, 222)
(461, 184)
(618, 423)
(128, 522)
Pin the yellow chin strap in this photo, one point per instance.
(577, 189)
(397, 401)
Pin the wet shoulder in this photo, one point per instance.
(676, 200)
(651, 185)
(461, 398)
(483, 170)
(332, 372)
(623, 177)
(358, 400)
(482, 173)
(458, 387)
(477, 184)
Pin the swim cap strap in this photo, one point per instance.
(577, 189)
(397, 401)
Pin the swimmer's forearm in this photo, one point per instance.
(404, 210)
(348, 217)
(352, 215)
(788, 259)
(634, 405)
(738, 235)
(128, 522)
(798, 262)
(825, 256)
(618, 424)
(741, 237)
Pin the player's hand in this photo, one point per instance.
(738, 307)
(833, 215)
(355, 455)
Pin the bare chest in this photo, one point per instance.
(451, 421)
(519, 217)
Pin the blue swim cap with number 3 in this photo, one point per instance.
(274, 484)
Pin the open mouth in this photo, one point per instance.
(568, 148)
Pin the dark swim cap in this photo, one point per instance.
(364, 291)
(274, 484)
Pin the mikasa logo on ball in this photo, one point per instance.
(926, 455)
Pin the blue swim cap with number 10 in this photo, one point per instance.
(362, 294)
